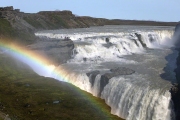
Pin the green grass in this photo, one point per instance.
(9, 33)
(34, 23)
(55, 21)
(26, 96)
(60, 22)
(6, 29)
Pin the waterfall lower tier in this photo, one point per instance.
(130, 97)
(137, 100)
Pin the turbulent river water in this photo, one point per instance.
(147, 50)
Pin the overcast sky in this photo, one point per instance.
(158, 10)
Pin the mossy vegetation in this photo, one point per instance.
(35, 23)
(26, 96)
(6, 28)
(54, 20)
(9, 33)
(60, 21)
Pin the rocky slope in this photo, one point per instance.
(47, 20)
(61, 19)
(19, 27)
(59, 51)
(23, 25)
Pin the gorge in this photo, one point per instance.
(101, 67)
(131, 67)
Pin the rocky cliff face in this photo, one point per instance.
(23, 25)
(48, 20)
(62, 19)
(20, 27)
(104, 80)
(58, 51)
(175, 90)
(65, 19)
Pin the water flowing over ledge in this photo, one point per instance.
(131, 97)
(143, 95)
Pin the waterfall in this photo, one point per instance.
(136, 100)
(93, 47)
(143, 95)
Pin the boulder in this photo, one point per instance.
(107, 40)
(140, 40)
(56, 102)
(108, 43)
(151, 38)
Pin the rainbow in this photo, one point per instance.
(35, 61)
(40, 62)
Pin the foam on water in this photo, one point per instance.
(95, 47)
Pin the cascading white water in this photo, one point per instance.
(157, 39)
(140, 96)
(136, 100)
(96, 87)
(132, 98)
(93, 47)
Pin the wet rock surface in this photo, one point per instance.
(104, 80)
(119, 71)
(140, 40)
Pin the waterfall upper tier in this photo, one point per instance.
(109, 43)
